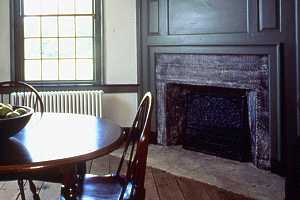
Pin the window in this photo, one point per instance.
(55, 40)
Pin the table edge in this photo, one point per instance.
(40, 166)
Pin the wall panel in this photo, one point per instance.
(207, 17)
(268, 14)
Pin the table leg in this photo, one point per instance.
(81, 171)
(33, 190)
(69, 188)
(21, 187)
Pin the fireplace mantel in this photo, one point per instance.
(250, 72)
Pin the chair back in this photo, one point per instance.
(137, 147)
(18, 93)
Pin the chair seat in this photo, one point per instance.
(104, 188)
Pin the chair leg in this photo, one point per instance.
(33, 190)
(81, 171)
(69, 189)
(140, 194)
(21, 187)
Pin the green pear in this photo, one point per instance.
(21, 111)
(4, 110)
(8, 105)
(12, 114)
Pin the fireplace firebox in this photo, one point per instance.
(216, 121)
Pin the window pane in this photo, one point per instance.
(32, 27)
(49, 26)
(32, 48)
(49, 7)
(84, 26)
(66, 26)
(58, 47)
(32, 7)
(84, 6)
(50, 69)
(67, 69)
(67, 47)
(84, 69)
(32, 70)
(84, 47)
(66, 6)
(49, 48)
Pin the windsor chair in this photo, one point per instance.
(130, 185)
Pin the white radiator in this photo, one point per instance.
(79, 102)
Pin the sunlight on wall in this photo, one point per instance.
(120, 54)
(120, 108)
(4, 41)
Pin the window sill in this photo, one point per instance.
(108, 88)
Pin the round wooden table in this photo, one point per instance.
(58, 139)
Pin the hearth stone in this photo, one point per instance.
(250, 72)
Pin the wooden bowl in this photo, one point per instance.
(11, 126)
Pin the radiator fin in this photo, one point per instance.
(78, 102)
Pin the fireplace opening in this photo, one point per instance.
(212, 120)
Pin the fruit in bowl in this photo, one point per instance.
(13, 119)
(8, 111)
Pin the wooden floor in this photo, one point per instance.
(159, 185)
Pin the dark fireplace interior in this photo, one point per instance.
(213, 120)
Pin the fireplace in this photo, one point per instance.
(247, 74)
(214, 120)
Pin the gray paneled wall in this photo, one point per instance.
(224, 27)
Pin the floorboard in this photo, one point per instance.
(9, 190)
(159, 185)
(192, 190)
(151, 190)
(100, 166)
(27, 191)
(166, 185)
(50, 191)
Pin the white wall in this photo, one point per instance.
(4, 41)
(120, 58)
(120, 55)
(120, 108)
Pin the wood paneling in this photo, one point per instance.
(207, 16)
(153, 17)
(262, 23)
(268, 14)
